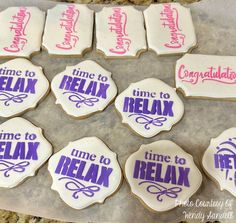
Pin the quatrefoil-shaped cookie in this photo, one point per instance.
(85, 172)
(84, 89)
(149, 107)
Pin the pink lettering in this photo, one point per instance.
(68, 21)
(170, 18)
(18, 25)
(220, 74)
(117, 24)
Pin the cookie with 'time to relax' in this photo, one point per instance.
(162, 175)
(149, 107)
(22, 86)
(85, 172)
(219, 160)
(23, 150)
(84, 89)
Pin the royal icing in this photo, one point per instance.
(84, 88)
(120, 31)
(21, 31)
(85, 172)
(149, 107)
(23, 150)
(162, 175)
(71, 26)
(206, 76)
(170, 28)
(22, 86)
(219, 160)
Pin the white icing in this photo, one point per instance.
(206, 76)
(148, 125)
(170, 28)
(15, 94)
(120, 31)
(80, 100)
(177, 191)
(219, 160)
(86, 192)
(21, 31)
(71, 26)
(17, 163)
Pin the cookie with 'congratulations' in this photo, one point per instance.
(170, 28)
(120, 32)
(21, 31)
(23, 150)
(84, 89)
(149, 107)
(219, 160)
(85, 172)
(162, 175)
(206, 76)
(71, 26)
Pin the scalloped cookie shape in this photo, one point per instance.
(85, 172)
(71, 26)
(23, 150)
(219, 160)
(149, 107)
(120, 31)
(21, 31)
(162, 175)
(170, 28)
(84, 89)
(22, 86)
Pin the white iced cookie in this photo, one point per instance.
(219, 160)
(71, 26)
(149, 107)
(206, 76)
(84, 89)
(170, 28)
(120, 31)
(22, 86)
(85, 172)
(23, 150)
(21, 31)
(162, 175)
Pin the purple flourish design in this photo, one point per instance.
(77, 187)
(227, 146)
(8, 97)
(6, 167)
(159, 190)
(147, 120)
(79, 99)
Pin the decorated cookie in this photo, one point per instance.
(169, 28)
(162, 175)
(21, 31)
(22, 86)
(23, 150)
(206, 76)
(71, 26)
(219, 160)
(120, 31)
(84, 89)
(85, 172)
(149, 107)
